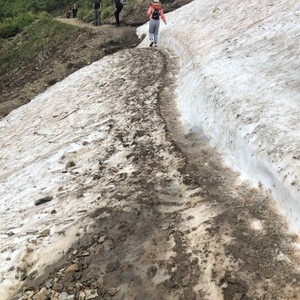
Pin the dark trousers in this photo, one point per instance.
(97, 17)
(119, 8)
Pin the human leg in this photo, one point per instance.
(155, 32)
(151, 32)
(118, 10)
(97, 16)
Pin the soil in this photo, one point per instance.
(184, 226)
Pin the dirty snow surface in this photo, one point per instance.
(240, 85)
(104, 193)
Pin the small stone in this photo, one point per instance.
(81, 295)
(90, 294)
(152, 271)
(71, 269)
(55, 296)
(27, 295)
(185, 281)
(70, 164)
(48, 285)
(112, 291)
(45, 233)
(42, 200)
(83, 253)
(63, 296)
(102, 239)
(42, 294)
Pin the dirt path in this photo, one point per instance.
(181, 226)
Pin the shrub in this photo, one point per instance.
(11, 26)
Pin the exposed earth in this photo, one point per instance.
(182, 226)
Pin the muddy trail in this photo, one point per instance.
(181, 225)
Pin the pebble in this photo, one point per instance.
(43, 200)
(70, 164)
(90, 294)
(45, 233)
(185, 281)
(81, 296)
(101, 240)
(71, 269)
(83, 253)
(42, 294)
(112, 291)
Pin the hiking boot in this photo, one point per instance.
(155, 45)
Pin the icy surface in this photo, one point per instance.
(239, 84)
(51, 148)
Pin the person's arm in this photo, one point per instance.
(161, 12)
(150, 11)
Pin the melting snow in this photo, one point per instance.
(239, 84)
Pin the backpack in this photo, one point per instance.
(97, 4)
(155, 14)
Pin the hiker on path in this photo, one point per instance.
(68, 14)
(97, 9)
(119, 7)
(74, 10)
(155, 13)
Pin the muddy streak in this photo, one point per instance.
(246, 248)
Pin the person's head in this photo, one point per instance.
(156, 2)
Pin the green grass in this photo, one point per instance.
(11, 26)
(39, 39)
(13, 8)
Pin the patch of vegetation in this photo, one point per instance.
(37, 42)
(11, 26)
(13, 8)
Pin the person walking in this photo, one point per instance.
(74, 10)
(97, 9)
(119, 7)
(155, 13)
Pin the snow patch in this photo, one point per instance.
(239, 85)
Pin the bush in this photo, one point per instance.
(11, 26)
(107, 12)
(86, 15)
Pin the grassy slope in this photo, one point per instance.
(42, 36)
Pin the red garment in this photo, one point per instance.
(161, 12)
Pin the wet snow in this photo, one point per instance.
(239, 85)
